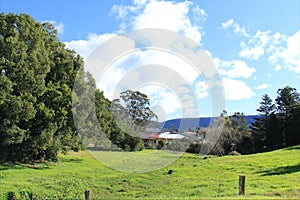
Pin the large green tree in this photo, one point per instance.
(137, 105)
(293, 127)
(132, 114)
(259, 128)
(287, 99)
(36, 79)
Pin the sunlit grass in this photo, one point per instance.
(137, 162)
(268, 176)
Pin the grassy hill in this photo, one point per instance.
(268, 175)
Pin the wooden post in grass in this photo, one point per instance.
(87, 195)
(242, 184)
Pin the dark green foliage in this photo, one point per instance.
(161, 144)
(104, 115)
(131, 143)
(259, 128)
(273, 130)
(23, 65)
(108, 125)
(126, 122)
(286, 100)
(84, 109)
(36, 78)
(23, 194)
(137, 106)
(293, 126)
(194, 147)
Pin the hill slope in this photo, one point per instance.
(186, 123)
(268, 175)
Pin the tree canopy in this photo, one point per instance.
(36, 78)
(278, 124)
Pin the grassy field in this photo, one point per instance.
(268, 175)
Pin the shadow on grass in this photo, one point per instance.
(36, 165)
(281, 170)
(10, 165)
(74, 160)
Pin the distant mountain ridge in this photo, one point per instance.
(186, 123)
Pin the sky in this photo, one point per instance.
(254, 45)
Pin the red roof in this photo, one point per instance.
(154, 136)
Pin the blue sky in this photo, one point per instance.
(254, 44)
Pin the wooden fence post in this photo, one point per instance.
(87, 195)
(242, 184)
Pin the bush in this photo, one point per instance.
(194, 147)
(161, 144)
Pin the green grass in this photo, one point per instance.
(137, 162)
(268, 175)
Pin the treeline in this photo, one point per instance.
(277, 126)
(37, 79)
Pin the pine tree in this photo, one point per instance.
(259, 128)
(286, 100)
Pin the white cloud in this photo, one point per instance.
(172, 71)
(201, 89)
(162, 97)
(225, 25)
(170, 102)
(278, 67)
(59, 26)
(255, 47)
(168, 15)
(85, 47)
(199, 14)
(234, 68)
(282, 51)
(287, 53)
(150, 69)
(263, 86)
(236, 27)
(139, 3)
(236, 90)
